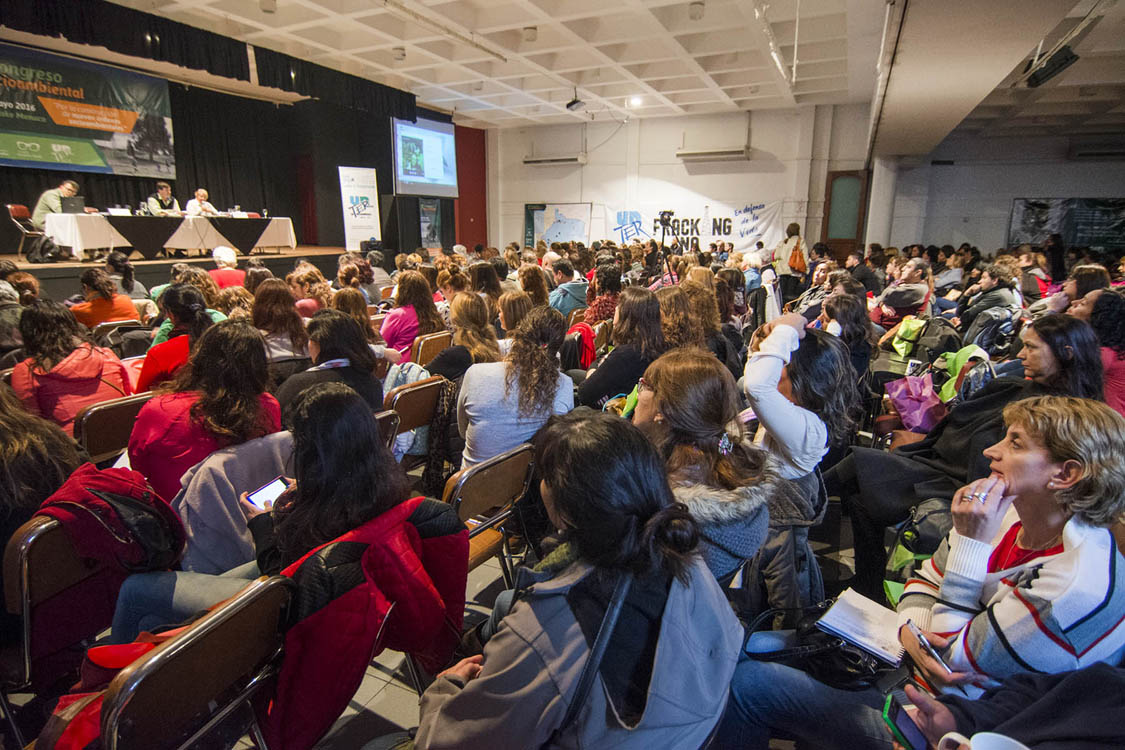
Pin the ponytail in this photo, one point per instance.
(186, 303)
(669, 537)
(119, 262)
(99, 281)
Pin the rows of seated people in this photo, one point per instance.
(690, 454)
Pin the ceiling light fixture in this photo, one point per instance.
(530, 33)
(635, 101)
(398, 53)
(268, 6)
(575, 104)
(395, 7)
(695, 11)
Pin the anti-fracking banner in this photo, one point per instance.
(61, 113)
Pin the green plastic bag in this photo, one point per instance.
(954, 362)
(909, 331)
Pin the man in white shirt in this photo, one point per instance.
(161, 203)
(198, 206)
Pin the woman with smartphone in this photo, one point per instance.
(1030, 579)
(335, 490)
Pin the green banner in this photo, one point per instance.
(60, 113)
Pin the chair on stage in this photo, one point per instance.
(21, 217)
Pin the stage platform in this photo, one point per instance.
(60, 280)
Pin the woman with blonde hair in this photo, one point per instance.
(310, 288)
(474, 339)
(514, 307)
(680, 327)
(414, 314)
(702, 276)
(534, 282)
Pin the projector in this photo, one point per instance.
(575, 104)
(1056, 64)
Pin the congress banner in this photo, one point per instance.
(359, 196)
(1082, 222)
(60, 113)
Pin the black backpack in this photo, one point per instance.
(994, 330)
(44, 250)
(938, 337)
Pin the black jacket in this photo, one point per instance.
(969, 309)
(867, 277)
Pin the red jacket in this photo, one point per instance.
(413, 558)
(166, 441)
(89, 375)
(225, 277)
(163, 361)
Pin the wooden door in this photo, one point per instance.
(845, 210)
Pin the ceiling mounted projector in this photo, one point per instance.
(575, 104)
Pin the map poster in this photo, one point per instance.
(61, 113)
(1082, 222)
(360, 200)
(564, 222)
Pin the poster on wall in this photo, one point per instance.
(1082, 222)
(429, 220)
(60, 113)
(742, 226)
(563, 222)
(360, 200)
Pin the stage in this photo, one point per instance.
(60, 280)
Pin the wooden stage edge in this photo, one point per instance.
(194, 257)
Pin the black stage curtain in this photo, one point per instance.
(241, 150)
(331, 86)
(129, 32)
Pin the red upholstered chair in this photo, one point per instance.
(253, 215)
(21, 217)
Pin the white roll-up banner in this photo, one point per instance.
(359, 196)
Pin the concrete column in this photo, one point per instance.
(881, 201)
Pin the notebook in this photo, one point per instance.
(865, 623)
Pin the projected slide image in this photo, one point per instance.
(426, 158)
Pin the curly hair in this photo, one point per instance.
(275, 311)
(676, 320)
(234, 302)
(97, 280)
(310, 282)
(255, 277)
(452, 280)
(230, 398)
(533, 365)
(1089, 433)
(824, 382)
(50, 333)
(202, 281)
(352, 302)
(414, 291)
(471, 329)
(534, 283)
(345, 473)
(704, 306)
(638, 322)
(1107, 318)
(36, 457)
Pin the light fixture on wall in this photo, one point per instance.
(530, 33)
(398, 53)
(268, 6)
(695, 11)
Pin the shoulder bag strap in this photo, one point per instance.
(593, 662)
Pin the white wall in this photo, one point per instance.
(633, 167)
(970, 200)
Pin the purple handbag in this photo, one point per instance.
(917, 402)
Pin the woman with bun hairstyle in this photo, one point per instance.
(663, 680)
(183, 305)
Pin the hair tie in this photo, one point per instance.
(196, 307)
(725, 444)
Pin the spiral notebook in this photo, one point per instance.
(865, 623)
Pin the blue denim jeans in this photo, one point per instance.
(773, 700)
(150, 600)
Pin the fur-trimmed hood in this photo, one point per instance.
(711, 505)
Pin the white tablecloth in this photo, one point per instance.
(83, 232)
(91, 231)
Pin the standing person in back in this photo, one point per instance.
(791, 279)
(227, 273)
(502, 404)
(103, 302)
(211, 404)
(64, 372)
(414, 314)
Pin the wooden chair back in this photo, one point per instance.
(602, 333)
(388, 426)
(102, 430)
(491, 487)
(102, 329)
(426, 347)
(377, 320)
(40, 563)
(174, 695)
(386, 292)
(576, 316)
(414, 402)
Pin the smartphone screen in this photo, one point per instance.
(906, 731)
(266, 495)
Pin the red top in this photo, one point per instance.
(162, 362)
(225, 277)
(308, 307)
(1008, 554)
(102, 310)
(88, 375)
(166, 441)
